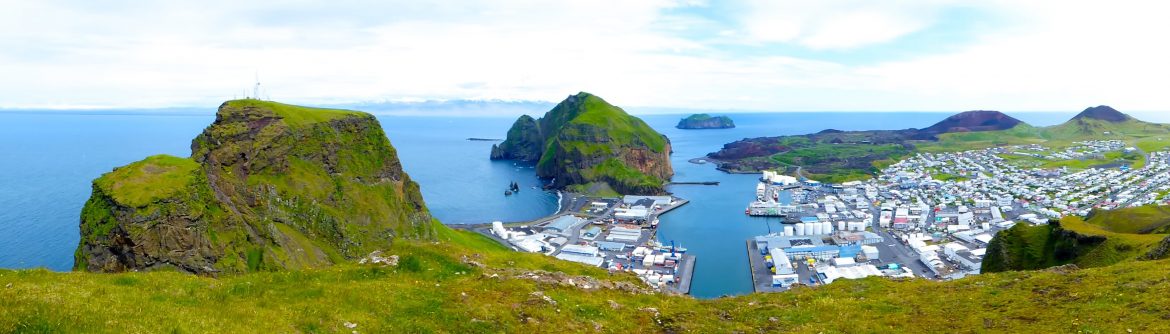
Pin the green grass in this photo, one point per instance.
(595, 189)
(297, 115)
(949, 177)
(618, 125)
(434, 290)
(1136, 220)
(1118, 247)
(1153, 144)
(153, 178)
(836, 163)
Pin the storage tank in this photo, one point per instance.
(799, 228)
(827, 228)
(788, 230)
(841, 226)
(819, 228)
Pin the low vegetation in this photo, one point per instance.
(464, 282)
(142, 182)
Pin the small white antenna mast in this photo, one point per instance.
(256, 93)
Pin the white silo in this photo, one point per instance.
(799, 228)
(789, 230)
(841, 225)
(827, 228)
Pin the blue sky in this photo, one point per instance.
(764, 55)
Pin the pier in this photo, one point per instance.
(598, 213)
(761, 275)
(702, 183)
(684, 275)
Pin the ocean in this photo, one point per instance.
(48, 160)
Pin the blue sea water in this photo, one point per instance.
(48, 160)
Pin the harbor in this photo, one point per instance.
(613, 233)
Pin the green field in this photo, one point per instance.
(1136, 220)
(296, 115)
(441, 287)
(153, 178)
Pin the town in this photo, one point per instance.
(613, 233)
(933, 215)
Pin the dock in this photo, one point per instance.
(701, 183)
(761, 275)
(684, 275)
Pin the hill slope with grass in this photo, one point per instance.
(586, 143)
(464, 282)
(268, 186)
(1105, 239)
(836, 156)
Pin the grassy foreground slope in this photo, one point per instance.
(466, 283)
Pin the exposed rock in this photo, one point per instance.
(586, 140)
(268, 186)
(1159, 251)
(575, 281)
(376, 257)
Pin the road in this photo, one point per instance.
(891, 250)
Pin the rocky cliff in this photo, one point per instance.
(268, 186)
(705, 121)
(585, 142)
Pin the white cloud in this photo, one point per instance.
(1051, 56)
(1069, 55)
(837, 24)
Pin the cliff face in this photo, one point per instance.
(705, 121)
(268, 186)
(525, 142)
(585, 140)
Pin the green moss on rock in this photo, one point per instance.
(268, 186)
(586, 140)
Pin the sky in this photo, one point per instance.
(761, 55)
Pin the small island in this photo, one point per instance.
(705, 121)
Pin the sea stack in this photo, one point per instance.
(705, 121)
(268, 186)
(586, 144)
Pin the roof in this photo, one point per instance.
(590, 260)
(632, 199)
(606, 245)
(564, 223)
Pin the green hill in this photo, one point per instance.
(268, 186)
(586, 143)
(466, 283)
(1072, 240)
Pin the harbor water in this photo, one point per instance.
(48, 160)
